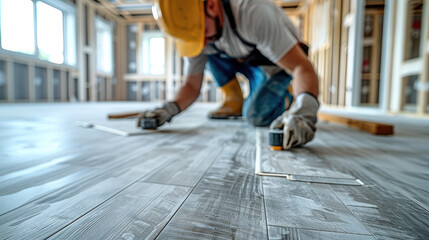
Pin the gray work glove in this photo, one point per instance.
(162, 114)
(299, 122)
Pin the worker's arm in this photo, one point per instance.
(186, 96)
(297, 64)
(299, 122)
(190, 91)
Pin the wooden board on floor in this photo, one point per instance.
(367, 126)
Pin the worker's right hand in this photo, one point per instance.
(299, 122)
(162, 114)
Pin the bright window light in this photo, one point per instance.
(153, 52)
(50, 34)
(70, 36)
(104, 45)
(157, 55)
(17, 26)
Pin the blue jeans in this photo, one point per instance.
(266, 100)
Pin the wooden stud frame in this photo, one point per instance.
(403, 68)
(79, 72)
(345, 13)
(423, 104)
(389, 22)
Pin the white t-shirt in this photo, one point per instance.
(260, 22)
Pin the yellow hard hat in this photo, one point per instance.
(184, 21)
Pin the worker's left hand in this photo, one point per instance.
(162, 114)
(299, 122)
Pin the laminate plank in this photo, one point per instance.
(46, 215)
(139, 212)
(24, 149)
(228, 202)
(59, 178)
(202, 150)
(285, 233)
(398, 163)
(28, 184)
(388, 215)
(299, 164)
(308, 206)
(115, 163)
(187, 168)
(19, 191)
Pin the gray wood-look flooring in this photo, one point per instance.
(201, 179)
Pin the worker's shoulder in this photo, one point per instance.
(244, 5)
(251, 9)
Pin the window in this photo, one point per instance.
(43, 28)
(104, 45)
(17, 26)
(50, 37)
(153, 53)
(414, 30)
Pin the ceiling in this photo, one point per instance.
(129, 9)
(136, 9)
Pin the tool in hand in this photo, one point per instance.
(148, 123)
(145, 123)
(275, 139)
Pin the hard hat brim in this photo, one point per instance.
(189, 48)
(184, 21)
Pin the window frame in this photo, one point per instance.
(145, 45)
(69, 33)
(111, 28)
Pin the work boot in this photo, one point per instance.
(233, 101)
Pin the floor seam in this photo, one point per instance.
(357, 217)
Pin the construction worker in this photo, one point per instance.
(252, 37)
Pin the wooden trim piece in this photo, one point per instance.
(123, 115)
(371, 127)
